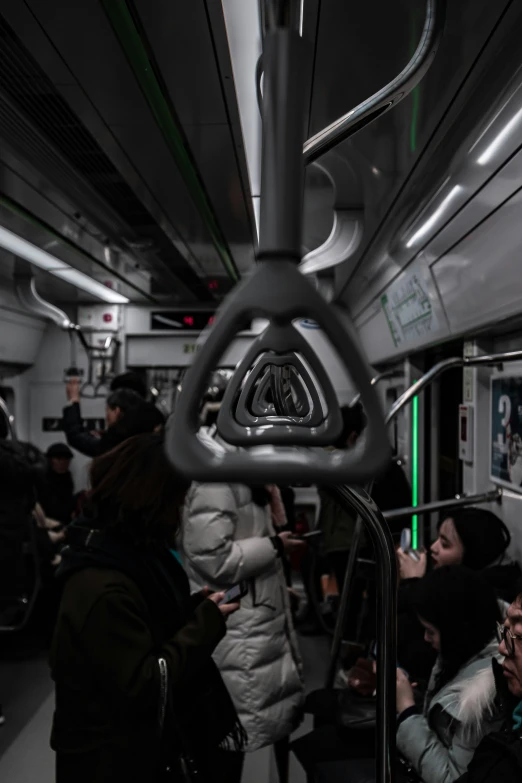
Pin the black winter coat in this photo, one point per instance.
(498, 758)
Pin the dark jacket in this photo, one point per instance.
(498, 758)
(81, 440)
(17, 500)
(104, 660)
(56, 496)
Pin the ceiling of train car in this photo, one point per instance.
(360, 47)
(122, 145)
(124, 113)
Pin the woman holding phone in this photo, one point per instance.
(227, 537)
(138, 696)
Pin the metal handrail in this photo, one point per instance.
(367, 511)
(390, 95)
(486, 360)
(9, 420)
(439, 505)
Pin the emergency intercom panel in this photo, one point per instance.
(466, 433)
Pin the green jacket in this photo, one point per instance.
(105, 666)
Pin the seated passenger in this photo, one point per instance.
(459, 612)
(136, 687)
(499, 755)
(476, 538)
(473, 537)
(227, 536)
(56, 493)
(119, 404)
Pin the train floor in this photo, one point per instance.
(26, 693)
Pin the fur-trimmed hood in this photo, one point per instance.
(470, 696)
(476, 697)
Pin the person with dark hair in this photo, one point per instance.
(460, 613)
(130, 380)
(499, 755)
(56, 493)
(137, 692)
(474, 537)
(228, 536)
(119, 405)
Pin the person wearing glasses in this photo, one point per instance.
(499, 755)
(460, 613)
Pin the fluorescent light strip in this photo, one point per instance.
(497, 143)
(90, 286)
(434, 218)
(40, 258)
(301, 19)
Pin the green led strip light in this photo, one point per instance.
(133, 42)
(415, 470)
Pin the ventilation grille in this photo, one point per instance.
(38, 115)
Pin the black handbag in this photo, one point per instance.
(183, 765)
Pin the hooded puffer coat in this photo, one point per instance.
(225, 539)
(440, 743)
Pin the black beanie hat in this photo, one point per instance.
(484, 536)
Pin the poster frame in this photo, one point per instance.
(507, 374)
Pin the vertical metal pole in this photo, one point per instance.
(282, 166)
(375, 523)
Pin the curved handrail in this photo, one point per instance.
(383, 100)
(487, 360)
(9, 419)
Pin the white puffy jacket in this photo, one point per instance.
(224, 540)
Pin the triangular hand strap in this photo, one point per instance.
(279, 292)
(280, 347)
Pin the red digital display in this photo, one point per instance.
(188, 320)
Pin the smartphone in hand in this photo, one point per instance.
(234, 594)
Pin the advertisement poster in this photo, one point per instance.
(506, 432)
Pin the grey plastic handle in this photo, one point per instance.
(284, 403)
(279, 292)
(238, 425)
(268, 367)
(270, 382)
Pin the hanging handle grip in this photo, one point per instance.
(279, 292)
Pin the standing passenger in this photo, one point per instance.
(136, 687)
(227, 536)
(119, 405)
(56, 493)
